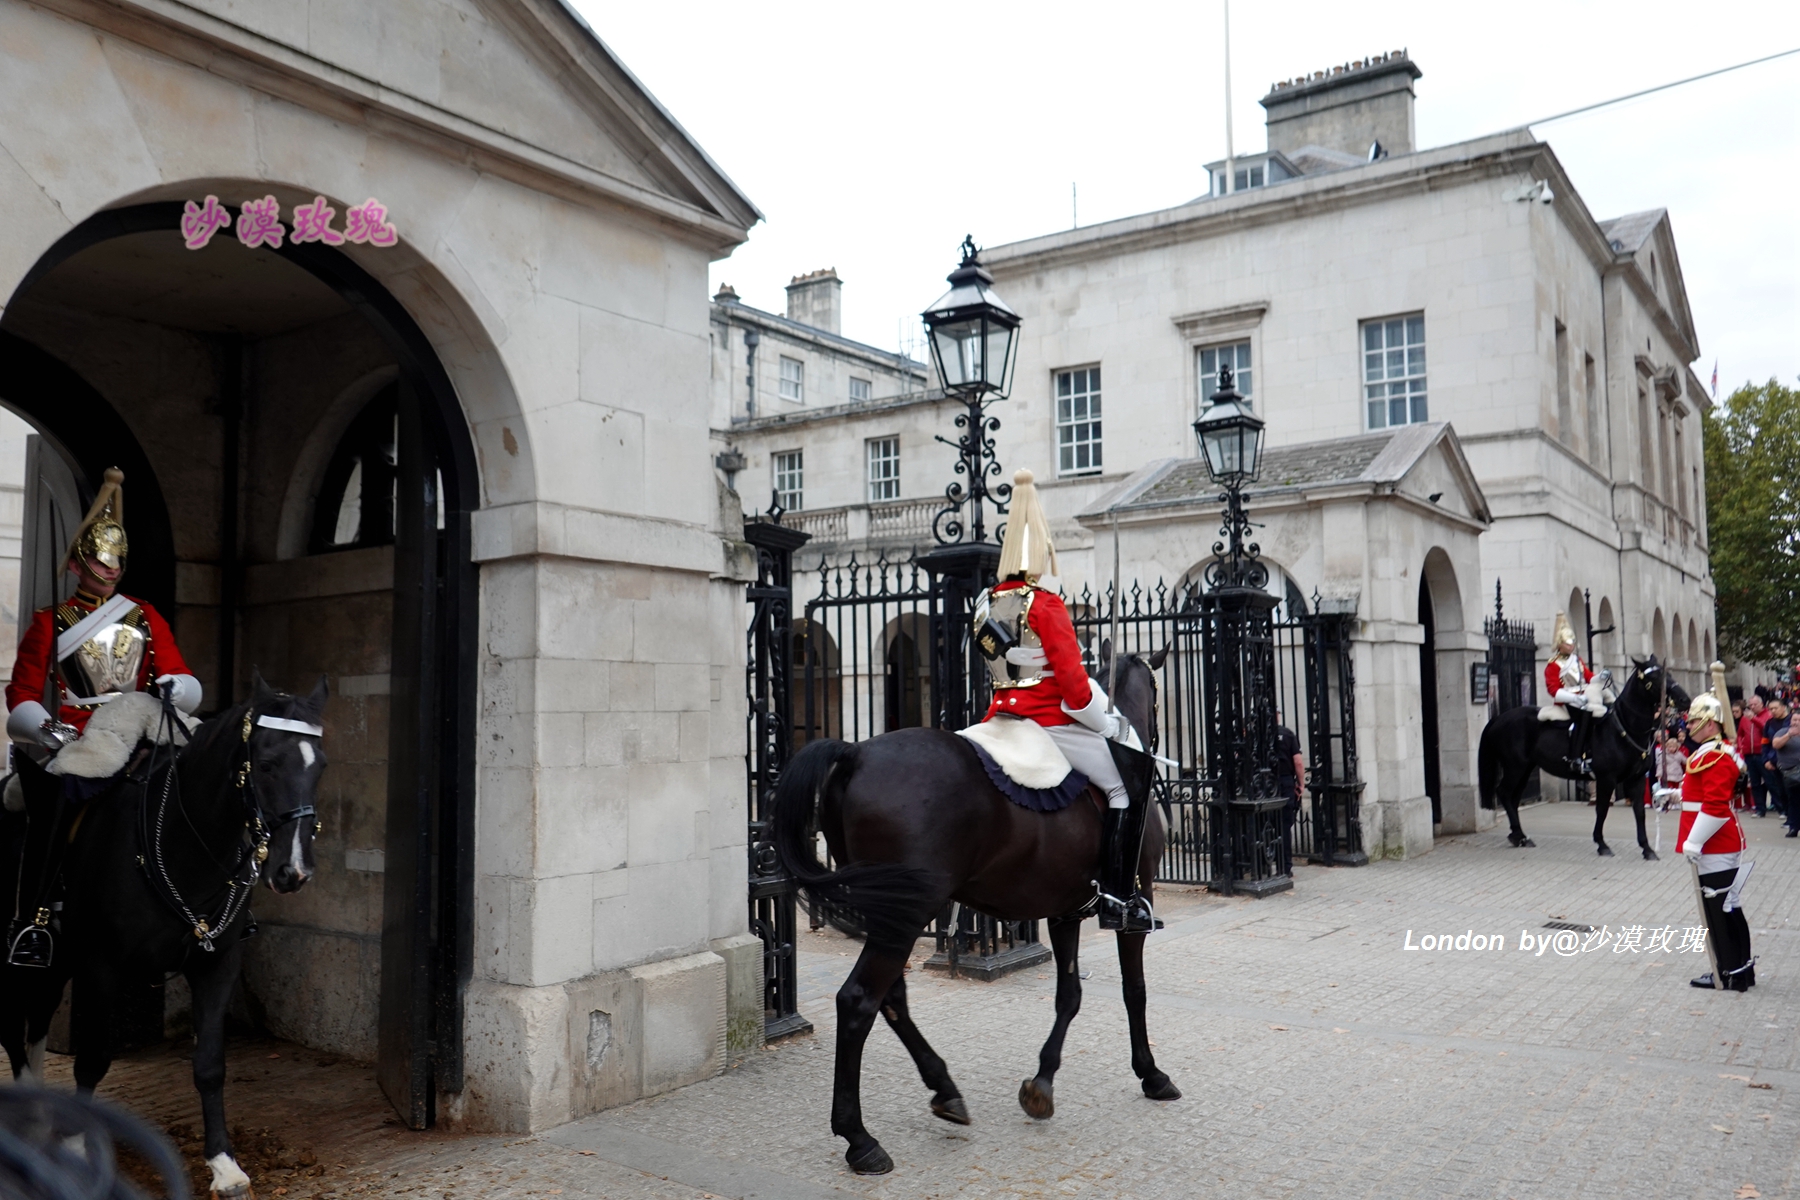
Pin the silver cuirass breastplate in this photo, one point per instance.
(1000, 625)
(108, 662)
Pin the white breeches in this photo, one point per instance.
(1087, 752)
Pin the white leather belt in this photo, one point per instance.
(1690, 806)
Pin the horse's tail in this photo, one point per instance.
(1488, 764)
(890, 896)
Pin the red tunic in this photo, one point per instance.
(1553, 676)
(1065, 680)
(32, 666)
(1711, 778)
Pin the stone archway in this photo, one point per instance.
(1449, 649)
(201, 372)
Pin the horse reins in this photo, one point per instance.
(242, 876)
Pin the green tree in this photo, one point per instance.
(1752, 481)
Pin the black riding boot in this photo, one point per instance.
(1121, 906)
(1577, 758)
(30, 935)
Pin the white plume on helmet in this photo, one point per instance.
(1026, 549)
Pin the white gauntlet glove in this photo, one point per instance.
(1094, 716)
(1700, 832)
(185, 691)
(1032, 658)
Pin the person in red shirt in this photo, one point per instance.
(1024, 628)
(1750, 747)
(1711, 838)
(76, 655)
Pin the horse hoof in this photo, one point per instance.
(870, 1160)
(1529, 842)
(1036, 1100)
(951, 1109)
(1649, 854)
(1603, 850)
(1159, 1087)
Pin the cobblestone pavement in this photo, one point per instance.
(1318, 1056)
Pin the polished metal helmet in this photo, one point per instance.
(1706, 707)
(102, 533)
(103, 541)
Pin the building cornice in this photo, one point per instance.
(801, 418)
(263, 63)
(739, 313)
(1490, 157)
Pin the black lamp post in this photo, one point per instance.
(1250, 837)
(974, 341)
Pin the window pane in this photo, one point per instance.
(1418, 408)
(1243, 356)
(1372, 336)
(1396, 333)
(349, 515)
(1415, 329)
(1377, 415)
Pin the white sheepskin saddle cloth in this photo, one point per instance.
(1022, 749)
(113, 732)
(1597, 697)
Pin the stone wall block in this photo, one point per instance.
(506, 820)
(573, 685)
(604, 1041)
(562, 929)
(683, 687)
(516, 1071)
(662, 912)
(684, 1020)
(581, 819)
(743, 955)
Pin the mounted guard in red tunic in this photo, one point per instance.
(76, 655)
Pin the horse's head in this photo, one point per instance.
(1134, 692)
(284, 753)
(1654, 682)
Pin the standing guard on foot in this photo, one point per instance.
(1713, 841)
(75, 656)
(1025, 632)
(1566, 682)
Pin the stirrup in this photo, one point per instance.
(34, 945)
(1126, 916)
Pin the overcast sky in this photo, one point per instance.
(872, 137)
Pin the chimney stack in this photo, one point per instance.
(816, 299)
(1346, 108)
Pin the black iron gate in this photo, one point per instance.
(1309, 652)
(1512, 671)
(768, 676)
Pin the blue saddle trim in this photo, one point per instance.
(1042, 800)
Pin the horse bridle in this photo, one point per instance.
(246, 780)
(242, 877)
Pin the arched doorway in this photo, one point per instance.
(202, 374)
(1448, 731)
(1428, 702)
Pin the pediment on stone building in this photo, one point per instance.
(1422, 463)
(521, 80)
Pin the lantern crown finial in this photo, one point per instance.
(970, 255)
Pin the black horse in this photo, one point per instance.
(158, 879)
(1620, 747)
(914, 816)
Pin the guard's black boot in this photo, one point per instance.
(1577, 759)
(1705, 981)
(1121, 905)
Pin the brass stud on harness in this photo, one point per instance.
(262, 851)
(249, 720)
(200, 930)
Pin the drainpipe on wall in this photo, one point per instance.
(751, 339)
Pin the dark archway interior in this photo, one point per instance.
(223, 382)
(1428, 702)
